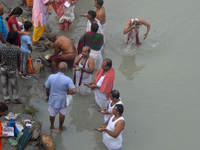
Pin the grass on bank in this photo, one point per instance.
(31, 110)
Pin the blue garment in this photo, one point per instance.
(25, 40)
(58, 85)
(3, 28)
(11, 123)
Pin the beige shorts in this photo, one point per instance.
(54, 111)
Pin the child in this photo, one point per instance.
(26, 48)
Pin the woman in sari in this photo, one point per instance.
(13, 24)
(65, 13)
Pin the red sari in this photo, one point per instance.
(10, 22)
(64, 20)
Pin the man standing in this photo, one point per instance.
(131, 31)
(113, 128)
(3, 110)
(115, 99)
(56, 87)
(40, 17)
(64, 45)
(10, 60)
(3, 29)
(83, 70)
(95, 41)
(91, 15)
(101, 16)
(103, 83)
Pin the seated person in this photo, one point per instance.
(64, 45)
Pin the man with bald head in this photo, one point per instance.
(57, 85)
(3, 29)
(64, 45)
(83, 70)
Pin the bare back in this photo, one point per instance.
(65, 45)
(101, 15)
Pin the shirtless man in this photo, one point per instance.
(91, 15)
(64, 45)
(101, 16)
(131, 30)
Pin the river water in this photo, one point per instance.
(158, 80)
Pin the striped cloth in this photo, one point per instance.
(93, 40)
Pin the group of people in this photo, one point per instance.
(16, 47)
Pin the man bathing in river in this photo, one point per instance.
(101, 16)
(56, 87)
(131, 31)
(64, 45)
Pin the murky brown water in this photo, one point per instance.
(158, 81)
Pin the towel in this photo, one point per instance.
(107, 84)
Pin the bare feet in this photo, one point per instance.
(61, 130)
(52, 129)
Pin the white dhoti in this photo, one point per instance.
(104, 32)
(100, 98)
(130, 37)
(96, 55)
(86, 79)
(83, 89)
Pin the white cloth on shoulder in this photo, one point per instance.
(130, 37)
(88, 28)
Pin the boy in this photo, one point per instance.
(26, 48)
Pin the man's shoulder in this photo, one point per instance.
(102, 11)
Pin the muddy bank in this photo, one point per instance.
(28, 89)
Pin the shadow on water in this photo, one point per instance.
(129, 68)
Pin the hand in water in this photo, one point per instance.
(145, 35)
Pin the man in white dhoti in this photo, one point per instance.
(91, 15)
(103, 83)
(131, 31)
(113, 128)
(101, 16)
(83, 70)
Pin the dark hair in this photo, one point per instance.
(120, 108)
(94, 27)
(92, 14)
(115, 94)
(16, 10)
(51, 36)
(27, 25)
(109, 62)
(99, 2)
(3, 107)
(136, 23)
(12, 36)
(89, 50)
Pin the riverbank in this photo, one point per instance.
(28, 89)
